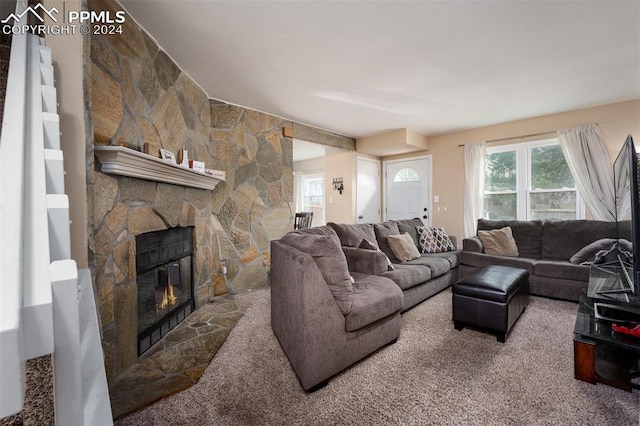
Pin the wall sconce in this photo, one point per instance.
(338, 185)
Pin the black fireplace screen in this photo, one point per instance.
(164, 266)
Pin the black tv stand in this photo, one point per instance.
(602, 355)
(611, 284)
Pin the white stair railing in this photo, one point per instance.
(47, 305)
(12, 147)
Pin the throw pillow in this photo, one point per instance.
(499, 242)
(597, 251)
(330, 259)
(526, 233)
(368, 245)
(434, 240)
(403, 247)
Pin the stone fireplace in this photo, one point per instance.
(137, 97)
(134, 212)
(164, 269)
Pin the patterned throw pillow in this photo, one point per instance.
(434, 240)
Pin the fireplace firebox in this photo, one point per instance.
(164, 267)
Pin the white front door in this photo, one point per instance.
(408, 188)
(368, 191)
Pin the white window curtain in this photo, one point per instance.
(474, 159)
(588, 159)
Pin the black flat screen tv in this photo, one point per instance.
(626, 185)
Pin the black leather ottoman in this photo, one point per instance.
(492, 298)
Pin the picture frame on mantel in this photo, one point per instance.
(168, 156)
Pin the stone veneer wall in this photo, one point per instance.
(138, 94)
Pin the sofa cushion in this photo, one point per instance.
(527, 234)
(450, 256)
(478, 260)
(409, 226)
(437, 265)
(561, 269)
(328, 255)
(403, 247)
(352, 235)
(369, 245)
(434, 240)
(624, 229)
(319, 230)
(374, 298)
(499, 242)
(382, 231)
(406, 276)
(563, 238)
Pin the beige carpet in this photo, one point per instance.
(38, 399)
(432, 375)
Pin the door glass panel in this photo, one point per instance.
(406, 175)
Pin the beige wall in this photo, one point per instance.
(336, 163)
(67, 53)
(615, 120)
(314, 164)
(340, 208)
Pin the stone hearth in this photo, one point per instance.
(177, 361)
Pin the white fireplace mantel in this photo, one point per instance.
(120, 160)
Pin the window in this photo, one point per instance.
(310, 195)
(406, 175)
(530, 181)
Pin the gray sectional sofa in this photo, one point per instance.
(333, 303)
(545, 248)
(418, 279)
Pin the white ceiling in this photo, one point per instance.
(365, 67)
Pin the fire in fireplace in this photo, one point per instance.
(164, 266)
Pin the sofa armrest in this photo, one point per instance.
(473, 244)
(453, 239)
(365, 261)
(304, 315)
